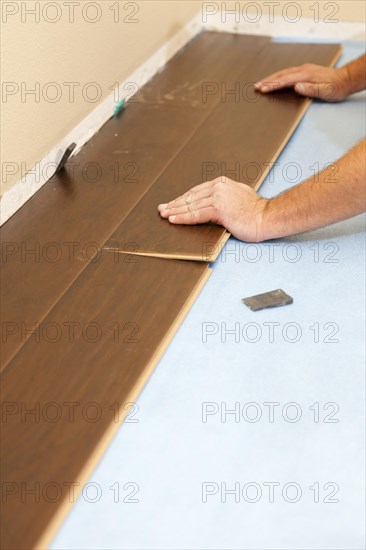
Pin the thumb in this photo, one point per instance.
(308, 89)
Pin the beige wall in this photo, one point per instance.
(41, 52)
(75, 50)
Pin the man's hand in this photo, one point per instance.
(310, 80)
(332, 195)
(236, 206)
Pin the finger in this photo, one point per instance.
(278, 75)
(197, 216)
(188, 199)
(202, 190)
(186, 208)
(286, 81)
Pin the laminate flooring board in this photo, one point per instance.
(50, 240)
(240, 139)
(123, 310)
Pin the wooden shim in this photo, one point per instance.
(246, 129)
(117, 292)
(51, 239)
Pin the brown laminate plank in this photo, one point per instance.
(93, 362)
(240, 139)
(51, 239)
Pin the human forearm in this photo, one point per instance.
(336, 193)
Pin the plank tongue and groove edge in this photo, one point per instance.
(241, 139)
(124, 312)
(50, 240)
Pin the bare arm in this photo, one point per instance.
(336, 193)
(333, 195)
(324, 83)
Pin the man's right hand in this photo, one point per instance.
(310, 80)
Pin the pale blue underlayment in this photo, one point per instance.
(170, 452)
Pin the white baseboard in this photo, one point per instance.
(32, 181)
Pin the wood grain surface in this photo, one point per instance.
(51, 239)
(97, 346)
(241, 139)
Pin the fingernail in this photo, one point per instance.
(172, 218)
(162, 206)
(258, 85)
